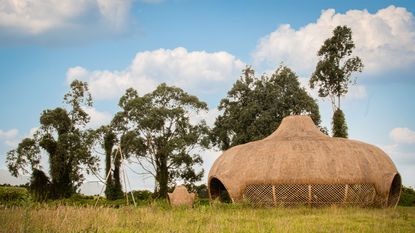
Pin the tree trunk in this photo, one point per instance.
(163, 177)
(339, 102)
(117, 188)
(108, 186)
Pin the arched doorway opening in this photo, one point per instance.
(395, 191)
(218, 191)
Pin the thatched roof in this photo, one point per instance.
(298, 153)
(180, 196)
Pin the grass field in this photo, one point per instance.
(204, 218)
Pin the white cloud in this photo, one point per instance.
(384, 40)
(12, 138)
(197, 71)
(76, 72)
(356, 92)
(97, 118)
(51, 18)
(9, 137)
(402, 135)
(209, 116)
(404, 161)
(9, 134)
(209, 157)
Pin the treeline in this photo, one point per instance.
(158, 130)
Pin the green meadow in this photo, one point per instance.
(159, 217)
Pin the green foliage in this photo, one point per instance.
(27, 152)
(407, 197)
(255, 107)
(339, 124)
(156, 129)
(13, 196)
(63, 137)
(202, 191)
(333, 72)
(108, 139)
(39, 186)
(142, 195)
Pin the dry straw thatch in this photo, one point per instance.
(299, 165)
(181, 197)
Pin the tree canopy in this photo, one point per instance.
(332, 75)
(107, 139)
(158, 131)
(63, 137)
(255, 107)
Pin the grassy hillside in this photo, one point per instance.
(204, 218)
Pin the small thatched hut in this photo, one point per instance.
(299, 165)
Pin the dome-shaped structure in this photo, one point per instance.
(299, 165)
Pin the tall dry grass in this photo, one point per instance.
(218, 218)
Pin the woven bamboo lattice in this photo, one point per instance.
(315, 195)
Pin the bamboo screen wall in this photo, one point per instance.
(315, 195)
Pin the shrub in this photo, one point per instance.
(407, 197)
(39, 186)
(13, 196)
(339, 124)
(142, 195)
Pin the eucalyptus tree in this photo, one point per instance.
(65, 139)
(158, 131)
(332, 75)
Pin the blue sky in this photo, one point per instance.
(202, 46)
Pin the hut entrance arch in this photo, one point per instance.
(394, 191)
(218, 191)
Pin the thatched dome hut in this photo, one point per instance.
(299, 165)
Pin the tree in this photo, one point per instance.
(335, 67)
(333, 72)
(157, 131)
(255, 107)
(63, 137)
(339, 124)
(106, 136)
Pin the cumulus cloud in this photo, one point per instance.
(9, 137)
(402, 135)
(9, 134)
(384, 40)
(208, 116)
(57, 19)
(98, 118)
(404, 161)
(196, 71)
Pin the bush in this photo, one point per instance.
(407, 197)
(142, 195)
(339, 124)
(13, 196)
(39, 186)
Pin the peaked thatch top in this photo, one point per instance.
(297, 127)
(297, 152)
(180, 196)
